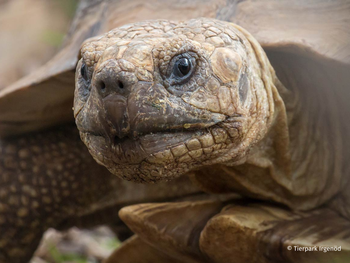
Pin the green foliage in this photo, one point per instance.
(53, 38)
(58, 257)
(112, 243)
(69, 6)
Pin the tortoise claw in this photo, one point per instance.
(174, 228)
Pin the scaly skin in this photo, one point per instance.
(229, 121)
(44, 180)
(193, 124)
(49, 179)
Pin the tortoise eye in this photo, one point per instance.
(83, 72)
(182, 70)
(183, 67)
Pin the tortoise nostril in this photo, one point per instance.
(107, 86)
(120, 85)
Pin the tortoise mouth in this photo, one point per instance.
(162, 155)
(134, 150)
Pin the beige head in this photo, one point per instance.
(157, 99)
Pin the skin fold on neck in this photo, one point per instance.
(298, 162)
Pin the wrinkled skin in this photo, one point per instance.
(226, 118)
(143, 123)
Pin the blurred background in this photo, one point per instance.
(31, 32)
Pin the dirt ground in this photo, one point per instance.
(76, 245)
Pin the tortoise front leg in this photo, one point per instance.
(243, 231)
(266, 233)
(173, 228)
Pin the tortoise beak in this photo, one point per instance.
(150, 108)
(142, 108)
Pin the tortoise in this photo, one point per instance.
(261, 116)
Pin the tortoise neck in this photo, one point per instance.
(297, 163)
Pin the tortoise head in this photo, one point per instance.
(157, 99)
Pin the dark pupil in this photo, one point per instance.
(83, 71)
(184, 66)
